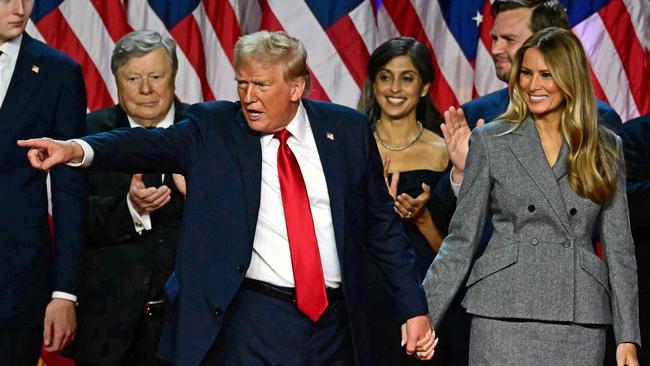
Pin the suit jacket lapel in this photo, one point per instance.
(329, 151)
(527, 148)
(23, 81)
(244, 143)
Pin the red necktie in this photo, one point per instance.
(305, 257)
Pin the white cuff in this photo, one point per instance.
(64, 296)
(455, 187)
(140, 222)
(89, 154)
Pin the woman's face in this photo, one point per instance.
(542, 94)
(398, 88)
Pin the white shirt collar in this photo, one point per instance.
(166, 122)
(297, 126)
(12, 48)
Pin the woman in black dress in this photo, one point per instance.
(406, 126)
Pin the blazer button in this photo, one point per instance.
(160, 241)
(568, 243)
(241, 269)
(573, 211)
(146, 280)
(531, 208)
(218, 312)
(534, 242)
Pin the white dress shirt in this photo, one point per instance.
(10, 50)
(271, 259)
(142, 222)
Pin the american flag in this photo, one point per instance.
(339, 36)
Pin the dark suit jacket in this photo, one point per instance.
(636, 144)
(122, 269)
(221, 159)
(46, 97)
(494, 104)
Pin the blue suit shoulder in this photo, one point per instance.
(336, 112)
(49, 56)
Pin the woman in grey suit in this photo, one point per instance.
(538, 294)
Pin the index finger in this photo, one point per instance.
(38, 143)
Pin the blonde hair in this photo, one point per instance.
(594, 161)
(272, 47)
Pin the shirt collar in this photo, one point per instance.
(166, 122)
(297, 126)
(12, 47)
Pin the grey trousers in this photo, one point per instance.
(531, 343)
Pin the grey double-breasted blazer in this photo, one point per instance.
(540, 263)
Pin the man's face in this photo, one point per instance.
(14, 15)
(145, 87)
(268, 101)
(510, 31)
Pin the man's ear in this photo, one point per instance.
(297, 88)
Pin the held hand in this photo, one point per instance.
(409, 208)
(60, 324)
(392, 185)
(456, 133)
(626, 355)
(179, 181)
(147, 199)
(44, 153)
(419, 337)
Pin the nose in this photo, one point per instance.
(17, 7)
(249, 95)
(395, 85)
(497, 47)
(534, 83)
(145, 87)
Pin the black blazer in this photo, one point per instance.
(122, 269)
(221, 158)
(46, 97)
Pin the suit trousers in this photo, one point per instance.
(20, 346)
(506, 342)
(261, 330)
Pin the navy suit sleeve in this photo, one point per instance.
(389, 246)
(68, 184)
(137, 150)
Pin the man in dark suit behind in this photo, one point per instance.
(41, 94)
(636, 145)
(240, 294)
(133, 220)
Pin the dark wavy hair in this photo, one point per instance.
(426, 112)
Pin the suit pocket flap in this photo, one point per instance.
(596, 267)
(493, 262)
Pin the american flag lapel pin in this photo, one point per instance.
(330, 136)
(35, 69)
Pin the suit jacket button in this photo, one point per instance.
(146, 280)
(241, 269)
(568, 243)
(534, 242)
(531, 208)
(160, 241)
(573, 211)
(218, 312)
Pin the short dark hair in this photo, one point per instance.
(546, 13)
(421, 58)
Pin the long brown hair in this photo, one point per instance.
(593, 162)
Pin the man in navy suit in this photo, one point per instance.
(636, 145)
(239, 294)
(514, 22)
(41, 94)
